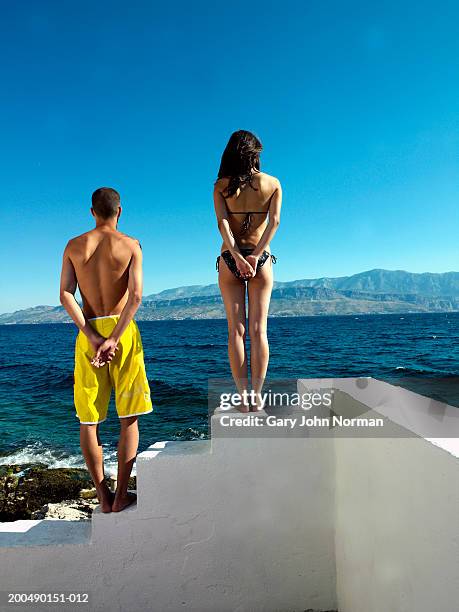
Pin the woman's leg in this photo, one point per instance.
(233, 294)
(259, 289)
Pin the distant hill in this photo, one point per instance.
(372, 281)
(374, 291)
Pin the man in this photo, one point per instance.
(107, 267)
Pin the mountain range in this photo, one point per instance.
(370, 292)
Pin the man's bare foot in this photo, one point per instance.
(106, 498)
(120, 503)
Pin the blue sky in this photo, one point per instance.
(356, 104)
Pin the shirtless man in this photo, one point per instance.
(107, 267)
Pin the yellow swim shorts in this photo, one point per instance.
(125, 374)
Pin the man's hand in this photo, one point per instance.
(95, 340)
(105, 352)
(244, 267)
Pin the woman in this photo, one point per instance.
(247, 205)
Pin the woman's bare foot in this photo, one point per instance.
(257, 405)
(120, 503)
(244, 409)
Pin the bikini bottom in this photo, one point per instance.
(231, 262)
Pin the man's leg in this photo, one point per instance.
(91, 447)
(127, 450)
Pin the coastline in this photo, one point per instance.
(221, 317)
(376, 291)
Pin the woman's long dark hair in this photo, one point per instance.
(240, 157)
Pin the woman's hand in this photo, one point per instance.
(253, 261)
(245, 269)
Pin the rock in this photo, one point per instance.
(40, 514)
(36, 491)
(14, 468)
(27, 491)
(71, 510)
(67, 510)
(88, 493)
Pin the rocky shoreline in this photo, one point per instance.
(34, 491)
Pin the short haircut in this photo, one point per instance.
(106, 202)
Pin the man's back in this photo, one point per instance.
(101, 259)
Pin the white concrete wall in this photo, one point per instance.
(243, 525)
(267, 524)
(397, 502)
(397, 526)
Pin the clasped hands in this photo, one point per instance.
(105, 349)
(247, 266)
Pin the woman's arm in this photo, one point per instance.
(273, 222)
(225, 230)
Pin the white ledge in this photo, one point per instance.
(431, 419)
(44, 533)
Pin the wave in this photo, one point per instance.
(190, 433)
(426, 372)
(37, 452)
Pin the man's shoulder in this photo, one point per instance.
(77, 241)
(129, 240)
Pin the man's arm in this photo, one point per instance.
(68, 301)
(107, 349)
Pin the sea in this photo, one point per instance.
(37, 416)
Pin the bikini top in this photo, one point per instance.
(245, 224)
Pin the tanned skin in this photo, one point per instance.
(263, 227)
(106, 265)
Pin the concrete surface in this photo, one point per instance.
(284, 524)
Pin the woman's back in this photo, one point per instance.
(248, 208)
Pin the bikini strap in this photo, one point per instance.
(247, 212)
(251, 212)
